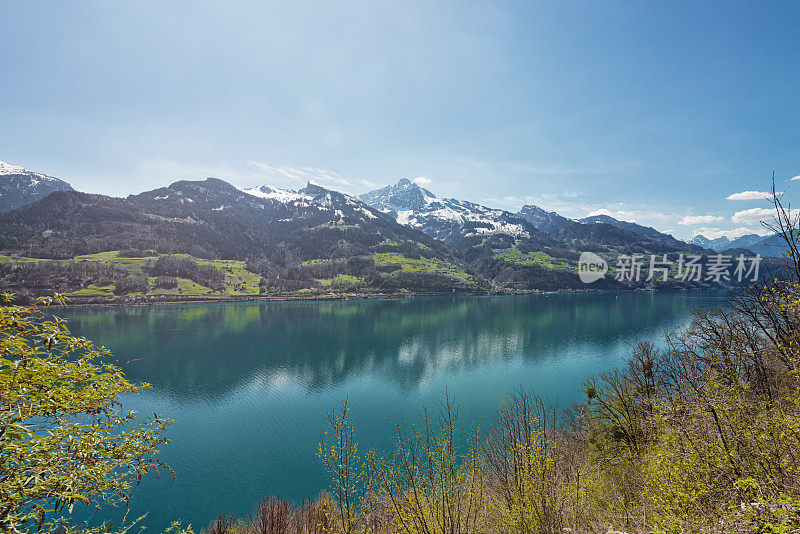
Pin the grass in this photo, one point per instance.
(322, 261)
(421, 265)
(238, 280)
(517, 257)
(94, 290)
(20, 259)
(341, 280)
(135, 266)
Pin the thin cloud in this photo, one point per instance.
(751, 195)
(620, 215)
(369, 184)
(299, 176)
(691, 220)
(254, 173)
(567, 203)
(795, 177)
(753, 215)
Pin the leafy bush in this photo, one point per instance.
(183, 267)
(63, 436)
(131, 284)
(166, 282)
(43, 278)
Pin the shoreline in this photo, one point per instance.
(78, 302)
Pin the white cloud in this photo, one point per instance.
(253, 173)
(795, 177)
(750, 195)
(369, 184)
(302, 174)
(570, 204)
(714, 233)
(421, 180)
(753, 215)
(621, 215)
(700, 219)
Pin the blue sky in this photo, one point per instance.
(648, 111)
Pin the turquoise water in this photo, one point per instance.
(249, 384)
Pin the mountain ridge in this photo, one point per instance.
(769, 245)
(399, 237)
(19, 186)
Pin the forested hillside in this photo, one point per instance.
(311, 242)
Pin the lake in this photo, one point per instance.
(249, 384)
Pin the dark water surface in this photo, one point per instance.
(249, 384)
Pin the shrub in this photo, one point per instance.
(166, 282)
(131, 284)
(63, 436)
(183, 267)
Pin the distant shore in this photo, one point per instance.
(81, 301)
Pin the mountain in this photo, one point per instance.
(720, 243)
(638, 229)
(547, 221)
(461, 224)
(292, 238)
(723, 243)
(397, 238)
(601, 236)
(445, 219)
(746, 241)
(405, 195)
(531, 249)
(771, 245)
(209, 218)
(19, 186)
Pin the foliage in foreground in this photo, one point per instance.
(63, 436)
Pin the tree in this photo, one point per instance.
(63, 434)
(131, 284)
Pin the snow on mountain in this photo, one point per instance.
(312, 202)
(720, 243)
(274, 193)
(7, 168)
(19, 186)
(443, 218)
(547, 221)
(771, 245)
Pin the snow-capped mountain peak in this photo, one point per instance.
(754, 242)
(443, 218)
(7, 168)
(403, 196)
(274, 193)
(547, 221)
(19, 186)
